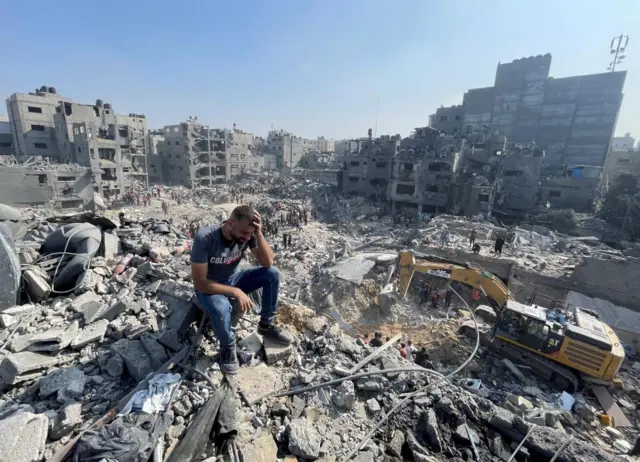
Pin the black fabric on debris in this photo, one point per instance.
(130, 438)
(83, 239)
(216, 419)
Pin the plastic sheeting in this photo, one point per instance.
(81, 239)
(131, 438)
(156, 397)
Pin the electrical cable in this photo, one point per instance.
(64, 252)
(423, 389)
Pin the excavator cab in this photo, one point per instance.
(528, 326)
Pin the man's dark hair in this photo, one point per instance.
(403, 345)
(243, 212)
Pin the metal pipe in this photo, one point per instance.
(560, 449)
(521, 443)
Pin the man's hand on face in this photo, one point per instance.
(257, 222)
(244, 302)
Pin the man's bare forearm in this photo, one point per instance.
(265, 254)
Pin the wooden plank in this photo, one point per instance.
(611, 407)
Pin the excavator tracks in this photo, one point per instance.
(561, 376)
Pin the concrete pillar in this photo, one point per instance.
(393, 208)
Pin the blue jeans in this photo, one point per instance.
(219, 306)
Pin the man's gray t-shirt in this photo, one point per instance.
(222, 256)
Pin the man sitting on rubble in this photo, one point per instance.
(216, 253)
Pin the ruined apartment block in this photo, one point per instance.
(6, 138)
(519, 170)
(32, 124)
(118, 151)
(242, 152)
(287, 148)
(476, 175)
(572, 119)
(574, 187)
(194, 155)
(367, 169)
(423, 172)
(155, 156)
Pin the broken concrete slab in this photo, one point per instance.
(92, 333)
(155, 351)
(90, 305)
(252, 343)
(304, 440)
(23, 437)
(263, 449)
(18, 310)
(170, 339)
(114, 310)
(257, 381)
(10, 270)
(66, 421)
(275, 352)
(18, 367)
(52, 340)
(70, 381)
(37, 287)
(112, 245)
(353, 269)
(135, 358)
(428, 429)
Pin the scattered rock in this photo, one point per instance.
(345, 396)
(304, 440)
(23, 437)
(66, 421)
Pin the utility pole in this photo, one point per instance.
(617, 48)
(375, 129)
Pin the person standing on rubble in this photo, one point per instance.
(499, 244)
(216, 253)
(284, 241)
(376, 341)
(444, 237)
(472, 237)
(447, 297)
(426, 293)
(434, 299)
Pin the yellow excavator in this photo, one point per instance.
(556, 344)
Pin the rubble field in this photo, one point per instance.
(102, 358)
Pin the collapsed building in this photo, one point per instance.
(41, 182)
(113, 146)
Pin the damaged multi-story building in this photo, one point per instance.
(572, 119)
(366, 170)
(113, 146)
(287, 148)
(195, 155)
(155, 157)
(6, 138)
(423, 171)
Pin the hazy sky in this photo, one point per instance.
(314, 67)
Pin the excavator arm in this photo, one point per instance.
(485, 282)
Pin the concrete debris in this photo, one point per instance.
(304, 440)
(10, 272)
(69, 358)
(67, 383)
(66, 421)
(23, 437)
